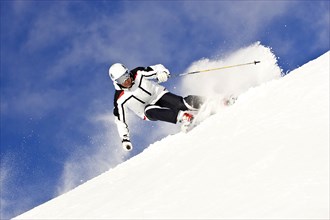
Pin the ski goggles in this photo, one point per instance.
(123, 78)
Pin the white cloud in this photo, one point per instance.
(322, 28)
(33, 103)
(50, 26)
(238, 19)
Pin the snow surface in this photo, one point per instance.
(267, 156)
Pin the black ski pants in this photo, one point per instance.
(169, 105)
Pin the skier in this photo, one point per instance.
(136, 90)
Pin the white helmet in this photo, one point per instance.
(119, 73)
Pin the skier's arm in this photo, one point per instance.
(122, 129)
(121, 124)
(124, 134)
(162, 74)
(158, 72)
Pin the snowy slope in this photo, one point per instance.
(267, 156)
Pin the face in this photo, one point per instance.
(127, 83)
(125, 80)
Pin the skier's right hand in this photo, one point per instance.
(127, 145)
(163, 75)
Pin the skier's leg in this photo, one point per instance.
(155, 113)
(191, 102)
(194, 102)
(172, 101)
(167, 108)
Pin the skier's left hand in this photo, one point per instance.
(163, 75)
(127, 145)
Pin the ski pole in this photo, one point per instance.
(219, 68)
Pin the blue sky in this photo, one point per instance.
(55, 89)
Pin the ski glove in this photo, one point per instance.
(127, 145)
(162, 73)
(163, 76)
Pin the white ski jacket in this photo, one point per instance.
(143, 92)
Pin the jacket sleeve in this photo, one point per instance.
(122, 130)
(149, 72)
(119, 112)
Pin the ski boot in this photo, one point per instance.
(186, 119)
